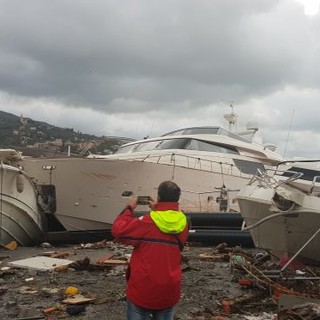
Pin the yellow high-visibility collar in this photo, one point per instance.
(169, 221)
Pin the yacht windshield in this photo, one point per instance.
(177, 143)
(195, 130)
(172, 144)
(206, 130)
(210, 147)
(125, 149)
(248, 167)
(199, 130)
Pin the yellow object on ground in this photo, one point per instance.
(71, 291)
(11, 245)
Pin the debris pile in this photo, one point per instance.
(219, 283)
(286, 288)
(49, 276)
(307, 311)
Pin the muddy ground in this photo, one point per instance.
(210, 288)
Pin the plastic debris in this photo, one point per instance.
(11, 245)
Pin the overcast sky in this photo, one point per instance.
(144, 67)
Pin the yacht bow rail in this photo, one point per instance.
(190, 162)
(267, 180)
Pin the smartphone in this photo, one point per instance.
(143, 200)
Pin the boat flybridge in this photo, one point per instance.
(210, 164)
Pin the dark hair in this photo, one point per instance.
(168, 191)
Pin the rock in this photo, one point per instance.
(3, 290)
(76, 309)
(46, 245)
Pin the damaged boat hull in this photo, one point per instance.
(21, 219)
(283, 219)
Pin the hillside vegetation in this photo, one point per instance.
(40, 138)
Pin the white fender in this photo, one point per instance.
(20, 183)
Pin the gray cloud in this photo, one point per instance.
(141, 67)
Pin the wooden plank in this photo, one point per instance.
(215, 256)
(114, 262)
(104, 258)
(78, 300)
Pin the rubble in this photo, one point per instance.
(218, 283)
(307, 311)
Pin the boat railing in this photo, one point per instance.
(272, 179)
(264, 179)
(313, 183)
(295, 175)
(190, 162)
(267, 178)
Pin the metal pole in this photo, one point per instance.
(314, 235)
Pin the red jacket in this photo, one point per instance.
(155, 265)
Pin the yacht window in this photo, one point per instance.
(308, 174)
(172, 144)
(126, 149)
(179, 143)
(174, 133)
(201, 131)
(206, 146)
(224, 132)
(196, 130)
(194, 144)
(144, 146)
(248, 167)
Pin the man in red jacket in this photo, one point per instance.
(154, 273)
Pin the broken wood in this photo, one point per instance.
(62, 268)
(214, 256)
(60, 255)
(104, 258)
(114, 262)
(46, 253)
(51, 309)
(78, 300)
(244, 298)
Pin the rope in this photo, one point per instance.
(268, 282)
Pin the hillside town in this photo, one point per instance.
(38, 138)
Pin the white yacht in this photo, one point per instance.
(210, 164)
(282, 209)
(21, 219)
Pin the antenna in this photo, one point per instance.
(231, 117)
(285, 148)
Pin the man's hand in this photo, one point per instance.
(152, 203)
(132, 203)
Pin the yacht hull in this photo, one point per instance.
(285, 230)
(90, 193)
